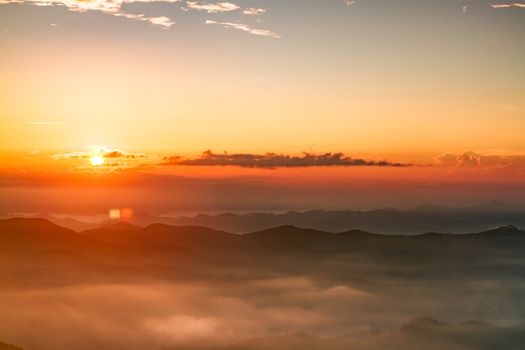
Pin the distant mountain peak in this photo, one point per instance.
(357, 232)
(121, 226)
(505, 230)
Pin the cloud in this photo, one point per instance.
(273, 160)
(115, 153)
(163, 21)
(246, 28)
(253, 11)
(212, 7)
(482, 160)
(501, 6)
(106, 153)
(111, 7)
(115, 8)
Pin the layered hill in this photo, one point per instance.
(426, 218)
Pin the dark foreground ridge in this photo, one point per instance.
(4, 346)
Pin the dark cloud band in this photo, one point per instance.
(273, 160)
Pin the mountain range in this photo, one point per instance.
(42, 234)
(425, 218)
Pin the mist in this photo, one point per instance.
(198, 288)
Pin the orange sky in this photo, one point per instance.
(452, 86)
(439, 86)
(69, 183)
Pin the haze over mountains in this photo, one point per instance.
(426, 218)
(167, 287)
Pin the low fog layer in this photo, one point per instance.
(166, 287)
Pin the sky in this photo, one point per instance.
(260, 104)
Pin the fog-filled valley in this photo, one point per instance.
(167, 287)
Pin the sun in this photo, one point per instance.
(96, 160)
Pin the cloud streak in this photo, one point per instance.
(273, 160)
(253, 11)
(503, 6)
(212, 7)
(246, 28)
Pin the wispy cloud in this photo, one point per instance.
(503, 5)
(272, 160)
(115, 8)
(162, 21)
(212, 7)
(111, 7)
(500, 160)
(246, 28)
(253, 11)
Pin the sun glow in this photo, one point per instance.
(96, 160)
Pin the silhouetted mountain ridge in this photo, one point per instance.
(158, 235)
(40, 234)
(509, 230)
(425, 218)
